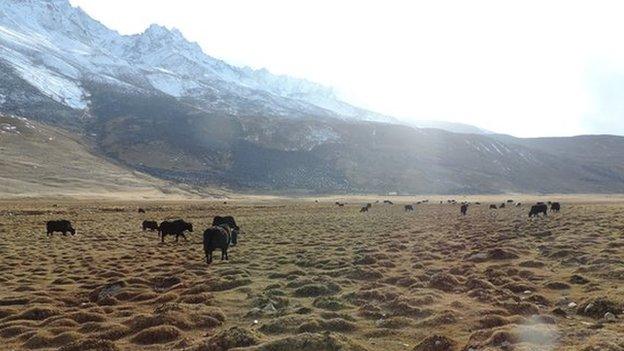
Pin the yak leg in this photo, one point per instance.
(234, 238)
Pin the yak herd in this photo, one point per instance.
(224, 231)
(220, 236)
(536, 210)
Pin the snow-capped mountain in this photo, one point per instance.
(156, 103)
(58, 48)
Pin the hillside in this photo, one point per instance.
(38, 160)
(176, 141)
(156, 103)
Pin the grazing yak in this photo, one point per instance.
(493, 207)
(369, 205)
(151, 225)
(216, 237)
(464, 209)
(364, 209)
(388, 202)
(502, 205)
(409, 208)
(519, 204)
(141, 210)
(230, 222)
(537, 209)
(62, 226)
(555, 207)
(177, 228)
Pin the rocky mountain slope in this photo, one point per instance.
(156, 103)
(56, 48)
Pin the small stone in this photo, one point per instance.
(610, 317)
(527, 292)
(269, 308)
(563, 301)
(572, 305)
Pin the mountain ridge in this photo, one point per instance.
(157, 103)
(70, 46)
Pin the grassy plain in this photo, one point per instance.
(313, 276)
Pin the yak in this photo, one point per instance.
(151, 225)
(177, 228)
(464, 209)
(216, 237)
(537, 209)
(62, 226)
(230, 222)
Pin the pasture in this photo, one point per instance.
(313, 276)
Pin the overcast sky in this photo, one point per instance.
(527, 68)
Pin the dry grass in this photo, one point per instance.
(312, 276)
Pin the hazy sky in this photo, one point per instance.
(527, 68)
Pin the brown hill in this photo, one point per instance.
(38, 160)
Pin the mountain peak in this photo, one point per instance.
(157, 31)
(70, 46)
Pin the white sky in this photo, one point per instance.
(527, 68)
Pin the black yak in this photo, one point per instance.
(493, 207)
(464, 209)
(177, 228)
(229, 221)
(151, 225)
(409, 208)
(555, 207)
(216, 237)
(537, 209)
(62, 226)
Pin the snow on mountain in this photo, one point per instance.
(56, 48)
